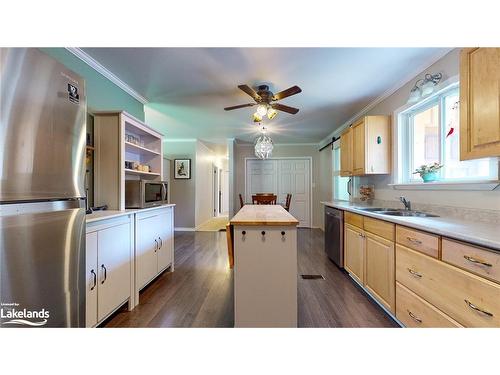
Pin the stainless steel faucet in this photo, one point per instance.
(406, 203)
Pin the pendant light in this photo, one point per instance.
(263, 145)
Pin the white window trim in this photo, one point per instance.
(399, 167)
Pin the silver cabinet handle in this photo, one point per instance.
(477, 261)
(156, 246)
(105, 273)
(475, 308)
(414, 240)
(95, 279)
(418, 320)
(414, 273)
(161, 243)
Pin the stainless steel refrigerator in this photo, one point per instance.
(42, 214)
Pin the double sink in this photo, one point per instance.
(396, 212)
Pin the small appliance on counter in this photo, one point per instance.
(144, 193)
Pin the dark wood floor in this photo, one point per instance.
(200, 291)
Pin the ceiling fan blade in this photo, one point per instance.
(286, 93)
(239, 106)
(247, 89)
(284, 108)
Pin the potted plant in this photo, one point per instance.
(429, 172)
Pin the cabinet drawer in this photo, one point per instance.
(414, 312)
(353, 219)
(469, 299)
(379, 227)
(421, 241)
(475, 259)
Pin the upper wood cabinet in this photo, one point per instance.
(366, 147)
(479, 103)
(346, 153)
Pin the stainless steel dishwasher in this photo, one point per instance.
(334, 235)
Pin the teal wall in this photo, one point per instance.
(102, 94)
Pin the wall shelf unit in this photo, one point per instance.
(120, 138)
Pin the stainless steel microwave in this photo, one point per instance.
(144, 193)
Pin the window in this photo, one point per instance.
(430, 133)
(339, 183)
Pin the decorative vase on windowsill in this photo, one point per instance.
(429, 173)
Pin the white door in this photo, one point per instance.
(283, 176)
(91, 277)
(294, 178)
(114, 268)
(165, 235)
(147, 245)
(262, 177)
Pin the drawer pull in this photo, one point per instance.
(418, 320)
(475, 308)
(477, 261)
(414, 240)
(414, 273)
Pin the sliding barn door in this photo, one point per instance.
(282, 176)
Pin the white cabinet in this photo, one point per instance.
(91, 279)
(108, 267)
(154, 244)
(113, 257)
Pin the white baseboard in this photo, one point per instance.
(182, 229)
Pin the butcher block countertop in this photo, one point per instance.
(256, 215)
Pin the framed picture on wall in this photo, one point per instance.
(182, 169)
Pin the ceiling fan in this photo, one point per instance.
(266, 101)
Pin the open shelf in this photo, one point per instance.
(131, 147)
(140, 173)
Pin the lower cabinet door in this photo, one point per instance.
(114, 268)
(91, 279)
(147, 243)
(165, 230)
(415, 312)
(354, 252)
(380, 270)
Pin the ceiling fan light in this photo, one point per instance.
(262, 109)
(257, 117)
(271, 113)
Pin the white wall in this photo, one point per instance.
(205, 158)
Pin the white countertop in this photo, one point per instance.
(479, 233)
(108, 214)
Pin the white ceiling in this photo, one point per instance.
(191, 86)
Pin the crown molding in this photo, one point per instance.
(94, 64)
(426, 65)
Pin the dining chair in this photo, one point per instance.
(241, 201)
(288, 201)
(264, 199)
(264, 193)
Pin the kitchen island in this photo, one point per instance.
(265, 267)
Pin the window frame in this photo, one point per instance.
(403, 150)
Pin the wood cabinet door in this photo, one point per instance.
(380, 266)
(114, 268)
(354, 252)
(91, 279)
(479, 103)
(358, 148)
(346, 154)
(146, 248)
(166, 239)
